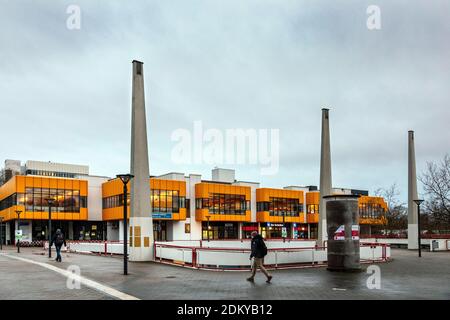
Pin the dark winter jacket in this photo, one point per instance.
(259, 249)
(57, 243)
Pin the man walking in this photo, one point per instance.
(259, 251)
(58, 240)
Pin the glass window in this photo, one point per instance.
(37, 199)
(45, 196)
(59, 203)
(162, 201)
(216, 203)
(175, 203)
(83, 201)
(29, 199)
(156, 201)
(186, 204)
(68, 201)
(169, 200)
(76, 200)
(205, 203)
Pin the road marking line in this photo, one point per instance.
(87, 282)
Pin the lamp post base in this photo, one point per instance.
(141, 239)
(412, 236)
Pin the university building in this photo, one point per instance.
(184, 207)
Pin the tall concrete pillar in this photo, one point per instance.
(141, 223)
(412, 194)
(325, 177)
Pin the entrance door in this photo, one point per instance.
(160, 230)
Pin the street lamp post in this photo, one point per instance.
(207, 228)
(50, 202)
(418, 202)
(18, 228)
(284, 226)
(125, 178)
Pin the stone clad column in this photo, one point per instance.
(141, 223)
(325, 177)
(412, 194)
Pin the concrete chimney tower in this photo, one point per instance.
(141, 222)
(325, 177)
(412, 194)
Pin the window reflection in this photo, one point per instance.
(281, 207)
(161, 201)
(224, 204)
(35, 200)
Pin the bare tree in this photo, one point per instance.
(436, 183)
(396, 211)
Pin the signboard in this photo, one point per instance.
(355, 232)
(18, 235)
(162, 215)
(339, 234)
(284, 232)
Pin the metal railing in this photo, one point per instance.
(275, 263)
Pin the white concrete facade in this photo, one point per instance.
(57, 167)
(95, 197)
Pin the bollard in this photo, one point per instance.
(343, 233)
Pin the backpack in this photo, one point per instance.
(263, 248)
(59, 239)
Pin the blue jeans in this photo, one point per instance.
(58, 253)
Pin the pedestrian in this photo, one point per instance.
(259, 251)
(58, 240)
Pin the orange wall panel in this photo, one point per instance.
(20, 181)
(54, 183)
(45, 183)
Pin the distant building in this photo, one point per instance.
(184, 207)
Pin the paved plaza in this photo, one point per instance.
(406, 277)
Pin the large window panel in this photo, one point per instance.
(162, 201)
(37, 199)
(175, 202)
(222, 204)
(156, 203)
(68, 201)
(76, 200)
(59, 203)
(29, 199)
(45, 196)
(169, 200)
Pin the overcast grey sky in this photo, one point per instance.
(65, 95)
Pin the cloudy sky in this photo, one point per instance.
(65, 95)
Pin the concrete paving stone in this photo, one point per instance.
(406, 277)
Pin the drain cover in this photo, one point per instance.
(170, 277)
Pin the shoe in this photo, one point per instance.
(251, 279)
(268, 279)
